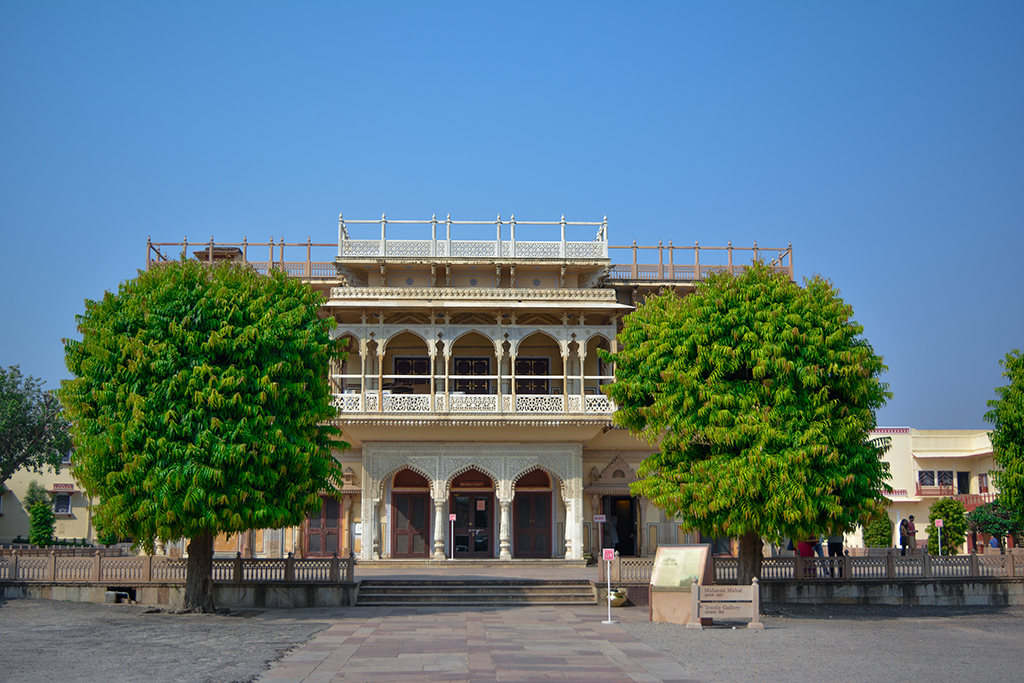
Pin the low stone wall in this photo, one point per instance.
(150, 594)
(937, 593)
(233, 595)
(284, 595)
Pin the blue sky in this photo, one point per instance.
(884, 140)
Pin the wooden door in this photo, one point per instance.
(322, 529)
(532, 525)
(410, 523)
(474, 524)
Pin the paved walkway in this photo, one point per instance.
(485, 644)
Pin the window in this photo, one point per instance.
(982, 483)
(416, 365)
(472, 367)
(66, 458)
(935, 478)
(62, 504)
(526, 368)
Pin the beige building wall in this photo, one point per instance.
(71, 523)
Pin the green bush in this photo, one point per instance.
(35, 493)
(41, 524)
(954, 526)
(878, 533)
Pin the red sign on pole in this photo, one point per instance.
(609, 554)
(451, 518)
(938, 523)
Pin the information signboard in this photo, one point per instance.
(679, 566)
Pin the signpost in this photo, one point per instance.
(451, 536)
(938, 525)
(609, 557)
(726, 602)
(599, 520)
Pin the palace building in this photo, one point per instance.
(471, 395)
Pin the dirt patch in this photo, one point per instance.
(90, 642)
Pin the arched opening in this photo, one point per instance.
(532, 516)
(472, 503)
(538, 366)
(410, 514)
(473, 368)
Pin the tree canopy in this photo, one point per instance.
(34, 432)
(199, 406)
(1007, 418)
(761, 394)
(996, 520)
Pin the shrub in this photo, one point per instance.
(954, 526)
(878, 533)
(41, 524)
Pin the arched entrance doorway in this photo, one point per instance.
(472, 503)
(410, 515)
(531, 515)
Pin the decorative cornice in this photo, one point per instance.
(471, 293)
(468, 422)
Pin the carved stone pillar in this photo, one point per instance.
(374, 529)
(346, 530)
(439, 526)
(505, 529)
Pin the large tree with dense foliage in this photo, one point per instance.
(761, 394)
(33, 429)
(1007, 417)
(199, 406)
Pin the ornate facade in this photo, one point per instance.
(472, 393)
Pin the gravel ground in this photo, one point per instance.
(42, 641)
(843, 643)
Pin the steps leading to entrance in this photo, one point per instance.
(579, 592)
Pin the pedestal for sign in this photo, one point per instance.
(678, 570)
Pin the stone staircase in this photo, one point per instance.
(511, 592)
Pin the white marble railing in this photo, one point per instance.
(472, 249)
(532, 404)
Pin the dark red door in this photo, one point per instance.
(410, 523)
(322, 528)
(532, 532)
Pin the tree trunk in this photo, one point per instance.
(749, 561)
(199, 578)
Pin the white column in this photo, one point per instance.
(439, 526)
(505, 529)
(374, 529)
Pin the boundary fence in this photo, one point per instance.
(143, 569)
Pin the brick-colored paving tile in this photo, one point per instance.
(489, 645)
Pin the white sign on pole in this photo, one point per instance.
(600, 519)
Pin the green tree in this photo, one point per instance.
(996, 520)
(35, 493)
(1007, 417)
(878, 532)
(33, 430)
(954, 526)
(41, 524)
(761, 394)
(199, 406)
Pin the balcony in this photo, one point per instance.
(373, 403)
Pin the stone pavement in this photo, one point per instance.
(473, 643)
